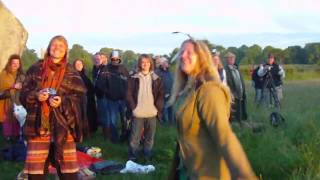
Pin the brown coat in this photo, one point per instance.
(157, 91)
(8, 95)
(67, 117)
(208, 147)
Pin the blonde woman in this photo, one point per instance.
(208, 149)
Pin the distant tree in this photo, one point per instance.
(252, 55)
(242, 52)
(313, 53)
(129, 59)
(295, 55)
(29, 56)
(219, 48)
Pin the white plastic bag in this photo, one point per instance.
(20, 113)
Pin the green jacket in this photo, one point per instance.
(208, 147)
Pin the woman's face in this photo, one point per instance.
(15, 64)
(78, 65)
(216, 60)
(188, 58)
(58, 50)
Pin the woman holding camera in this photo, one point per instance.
(51, 94)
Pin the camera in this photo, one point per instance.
(50, 91)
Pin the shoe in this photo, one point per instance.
(147, 155)
(132, 156)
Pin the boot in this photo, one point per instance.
(36, 177)
(69, 176)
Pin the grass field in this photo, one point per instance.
(287, 152)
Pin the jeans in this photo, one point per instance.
(258, 96)
(269, 100)
(102, 111)
(168, 115)
(114, 109)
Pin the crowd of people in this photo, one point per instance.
(64, 105)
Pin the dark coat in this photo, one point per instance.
(239, 106)
(96, 73)
(91, 103)
(64, 119)
(157, 91)
(112, 82)
(275, 68)
(258, 81)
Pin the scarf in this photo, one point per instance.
(52, 76)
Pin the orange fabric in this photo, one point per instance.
(38, 152)
(52, 76)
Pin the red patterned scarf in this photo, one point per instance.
(52, 76)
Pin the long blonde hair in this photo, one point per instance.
(203, 71)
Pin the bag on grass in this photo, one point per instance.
(106, 167)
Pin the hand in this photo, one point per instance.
(43, 95)
(17, 85)
(55, 101)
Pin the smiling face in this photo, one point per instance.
(15, 64)
(188, 59)
(145, 65)
(58, 50)
(78, 65)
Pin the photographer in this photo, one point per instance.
(274, 74)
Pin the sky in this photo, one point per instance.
(146, 26)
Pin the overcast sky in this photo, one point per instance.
(145, 26)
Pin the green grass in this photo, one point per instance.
(288, 152)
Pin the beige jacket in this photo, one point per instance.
(208, 147)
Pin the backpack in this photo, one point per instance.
(276, 119)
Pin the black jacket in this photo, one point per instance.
(96, 74)
(112, 82)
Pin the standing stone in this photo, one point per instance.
(13, 36)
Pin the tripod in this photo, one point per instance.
(271, 89)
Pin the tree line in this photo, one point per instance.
(246, 55)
